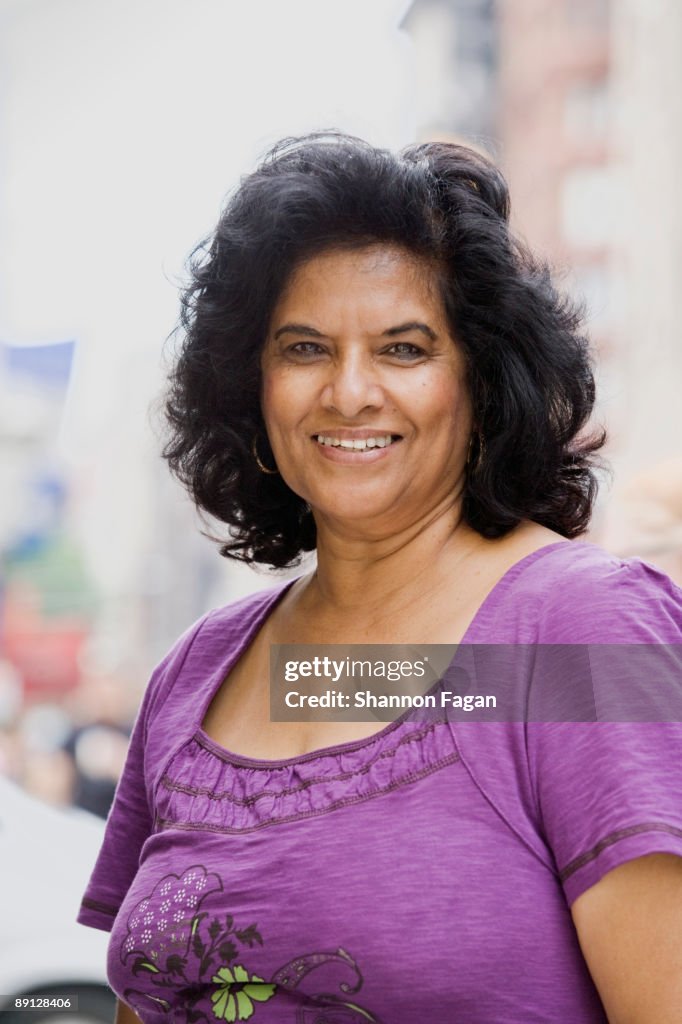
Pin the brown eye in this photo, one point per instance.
(406, 351)
(305, 349)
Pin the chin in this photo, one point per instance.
(354, 511)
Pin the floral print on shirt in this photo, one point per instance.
(198, 960)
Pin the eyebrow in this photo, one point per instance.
(392, 332)
(411, 325)
(309, 332)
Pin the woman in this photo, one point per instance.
(373, 368)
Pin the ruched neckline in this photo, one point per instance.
(203, 789)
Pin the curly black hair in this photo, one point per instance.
(529, 369)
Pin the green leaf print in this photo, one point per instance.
(143, 965)
(236, 993)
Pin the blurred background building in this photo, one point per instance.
(121, 128)
(579, 101)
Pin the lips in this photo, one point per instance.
(356, 443)
(359, 447)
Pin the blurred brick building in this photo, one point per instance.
(579, 101)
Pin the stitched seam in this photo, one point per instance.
(614, 837)
(181, 787)
(364, 743)
(102, 908)
(164, 823)
(498, 807)
(153, 705)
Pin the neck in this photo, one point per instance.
(367, 576)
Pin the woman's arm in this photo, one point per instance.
(630, 929)
(124, 1015)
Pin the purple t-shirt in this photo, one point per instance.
(422, 874)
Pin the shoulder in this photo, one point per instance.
(580, 593)
(233, 620)
(210, 642)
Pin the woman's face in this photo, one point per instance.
(364, 394)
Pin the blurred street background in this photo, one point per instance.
(122, 126)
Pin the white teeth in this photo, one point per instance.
(355, 444)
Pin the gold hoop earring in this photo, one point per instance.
(263, 469)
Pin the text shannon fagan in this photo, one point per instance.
(367, 699)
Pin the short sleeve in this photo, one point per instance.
(131, 819)
(610, 791)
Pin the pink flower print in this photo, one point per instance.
(147, 936)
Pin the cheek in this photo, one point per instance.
(273, 400)
(444, 406)
(283, 407)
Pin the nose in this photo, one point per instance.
(353, 386)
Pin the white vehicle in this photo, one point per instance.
(46, 857)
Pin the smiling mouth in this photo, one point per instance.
(357, 444)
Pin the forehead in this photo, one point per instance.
(372, 276)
